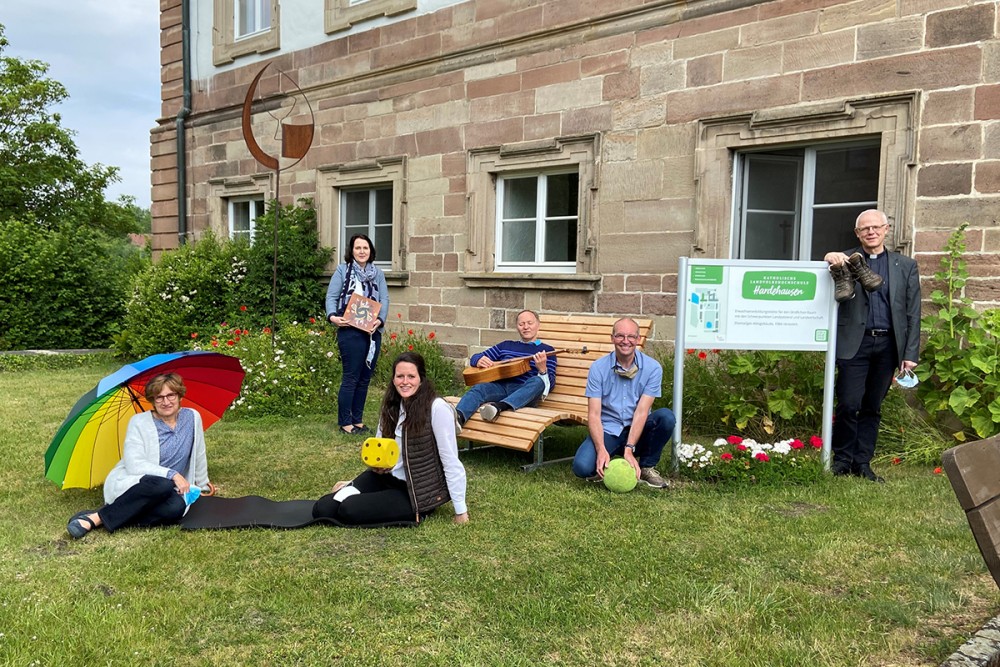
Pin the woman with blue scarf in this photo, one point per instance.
(358, 350)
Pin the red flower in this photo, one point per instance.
(246, 332)
(741, 448)
(761, 456)
(896, 461)
(194, 334)
(399, 315)
(215, 343)
(726, 456)
(691, 351)
(230, 342)
(312, 320)
(816, 441)
(392, 336)
(716, 351)
(938, 470)
(243, 308)
(430, 336)
(236, 338)
(796, 444)
(734, 440)
(224, 324)
(409, 347)
(702, 355)
(409, 331)
(267, 330)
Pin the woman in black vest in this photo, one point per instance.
(428, 473)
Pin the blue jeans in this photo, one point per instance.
(657, 432)
(353, 344)
(515, 394)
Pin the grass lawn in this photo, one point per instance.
(550, 571)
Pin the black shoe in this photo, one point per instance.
(865, 472)
(841, 469)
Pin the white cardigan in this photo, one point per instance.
(141, 456)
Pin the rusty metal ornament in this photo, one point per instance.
(296, 139)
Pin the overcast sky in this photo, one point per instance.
(107, 55)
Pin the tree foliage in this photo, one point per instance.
(43, 180)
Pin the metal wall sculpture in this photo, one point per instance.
(295, 141)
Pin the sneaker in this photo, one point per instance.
(489, 412)
(652, 478)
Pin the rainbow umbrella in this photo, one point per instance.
(89, 442)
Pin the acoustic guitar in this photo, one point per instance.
(510, 368)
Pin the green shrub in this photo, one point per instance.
(958, 370)
(193, 287)
(300, 260)
(12, 363)
(62, 288)
(298, 375)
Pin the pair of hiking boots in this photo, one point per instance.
(855, 269)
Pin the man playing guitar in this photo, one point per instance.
(511, 393)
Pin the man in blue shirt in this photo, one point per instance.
(620, 391)
(516, 392)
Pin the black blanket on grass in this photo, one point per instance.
(213, 513)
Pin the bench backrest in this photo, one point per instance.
(573, 332)
(974, 472)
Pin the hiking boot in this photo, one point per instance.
(843, 283)
(870, 280)
(489, 412)
(650, 477)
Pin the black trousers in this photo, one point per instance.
(862, 383)
(383, 499)
(154, 501)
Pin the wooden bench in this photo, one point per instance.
(974, 472)
(566, 403)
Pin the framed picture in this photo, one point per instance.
(362, 312)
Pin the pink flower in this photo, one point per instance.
(796, 444)
(816, 441)
(726, 456)
(761, 456)
(741, 448)
(734, 440)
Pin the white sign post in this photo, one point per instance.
(756, 305)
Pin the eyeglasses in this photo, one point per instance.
(166, 398)
(632, 338)
(864, 230)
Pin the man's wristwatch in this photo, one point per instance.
(630, 446)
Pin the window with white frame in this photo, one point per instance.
(242, 27)
(537, 218)
(368, 211)
(243, 214)
(252, 17)
(798, 203)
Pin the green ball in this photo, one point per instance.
(619, 476)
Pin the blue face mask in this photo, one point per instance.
(192, 495)
(906, 379)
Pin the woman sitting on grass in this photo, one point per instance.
(428, 473)
(146, 487)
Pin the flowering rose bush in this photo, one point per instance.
(299, 374)
(738, 460)
(440, 369)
